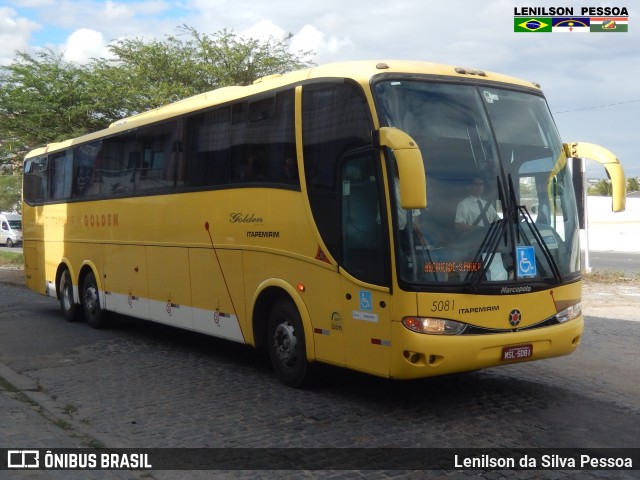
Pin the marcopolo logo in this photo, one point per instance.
(519, 289)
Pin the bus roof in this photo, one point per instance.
(360, 71)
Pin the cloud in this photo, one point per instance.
(117, 11)
(36, 3)
(575, 71)
(84, 44)
(309, 38)
(263, 30)
(14, 34)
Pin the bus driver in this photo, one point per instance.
(473, 211)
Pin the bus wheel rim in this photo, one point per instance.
(91, 299)
(285, 343)
(66, 296)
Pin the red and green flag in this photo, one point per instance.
(610, 24)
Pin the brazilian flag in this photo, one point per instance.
(532, 24)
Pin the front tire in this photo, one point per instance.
(9, 243)
(286, 344)
(93, 313)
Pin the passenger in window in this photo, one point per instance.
(290, 169)
(259, 165)
(473, 211)
(253, 166)
(250, 166)
(244, 170)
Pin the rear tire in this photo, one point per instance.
(286, 344)
(68, 306)
(93, 313)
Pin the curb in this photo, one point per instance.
(12, 276)
(20, 382)
(52, 411)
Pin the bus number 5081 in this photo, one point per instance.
(442, 305)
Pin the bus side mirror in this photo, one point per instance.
(413, 184)
(611, 165)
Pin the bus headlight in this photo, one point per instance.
(569, 313)
(433, 326)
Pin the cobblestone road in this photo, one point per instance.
(145, 385)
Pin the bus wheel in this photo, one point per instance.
(9, 243)
(93, 313)
(65, 294)
(286, 344)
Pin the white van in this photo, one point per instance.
(10, 229)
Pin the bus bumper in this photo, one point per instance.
(420, 355)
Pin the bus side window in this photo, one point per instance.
(209, 148)
(86, 180)
(35, 181)
(61, 173)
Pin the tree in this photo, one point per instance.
(10, 192)
(44, 99)
(633, 185)
(232, 60)
(603, 189)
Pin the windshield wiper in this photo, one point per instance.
(515, 211)
(488, 249)
(535, 232)
(488, 246)
(509, 227)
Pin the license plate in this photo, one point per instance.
(519, 352)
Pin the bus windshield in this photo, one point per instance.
(500, 201)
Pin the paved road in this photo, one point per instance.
(626, 262)
(144, 385)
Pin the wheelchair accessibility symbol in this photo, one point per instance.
(526, 258)
(365, 300)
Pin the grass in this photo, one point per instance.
(11, 259)
(4, 385)
(68, 409)
(610, 276)
(15, 393)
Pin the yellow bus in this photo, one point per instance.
(327, 215)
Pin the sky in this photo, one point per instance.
(591, 81)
